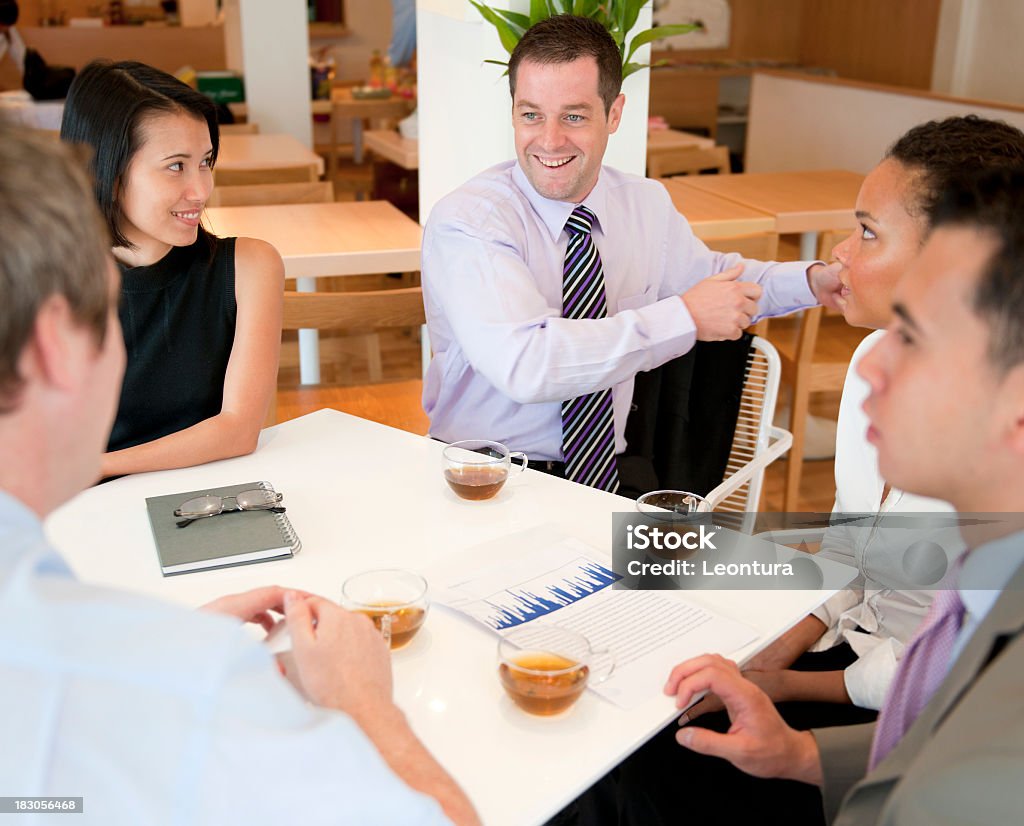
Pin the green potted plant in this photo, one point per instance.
(617, 16)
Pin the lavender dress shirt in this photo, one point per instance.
(505, 359)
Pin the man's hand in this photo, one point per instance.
(825, 284)
(772, 683)
(253, 606)
(722, 306)
(759, 742)
(342, 659)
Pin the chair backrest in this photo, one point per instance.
(688, 161)
(312, 192)
(239, 128)
(827, 242)
(268, 175)
(754, 424)
(354, 310)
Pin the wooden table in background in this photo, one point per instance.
(240, 153)
(803, 202)
(712, 216)
(350, 238)
(390, 145)
(344, 105)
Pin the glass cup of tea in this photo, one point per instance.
(476, 469)
(396, 601)
(545, 668)
(669, 505)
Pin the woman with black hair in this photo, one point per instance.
(201, 315)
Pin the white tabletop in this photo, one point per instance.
(341, 238)
(277, 151)
(361, 495)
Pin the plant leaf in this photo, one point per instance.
(631, 11)
(629, 68)
(656, 34)
(518, 21)
(508, 37)
(539, 10)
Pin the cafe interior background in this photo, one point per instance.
(784, 85)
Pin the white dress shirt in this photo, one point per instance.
(505, 359)
(11, 41)
(159, 715)
(887, 617)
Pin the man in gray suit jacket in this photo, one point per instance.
(947, 416)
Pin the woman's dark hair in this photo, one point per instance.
(107, 107)
(941, 151)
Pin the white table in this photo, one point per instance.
(360, 496)
(350, 238)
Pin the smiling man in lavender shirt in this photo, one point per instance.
(539, 323)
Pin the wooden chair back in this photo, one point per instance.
(397, 405)
(688, 161)
(354, 310)
(311, 192)
(239, 128)
(269, 175)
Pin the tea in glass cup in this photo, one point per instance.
(669, 505)
(395, 600)
(477, 469)
(545, 668)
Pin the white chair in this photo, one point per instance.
(757, 442)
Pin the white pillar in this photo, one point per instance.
(269, 44)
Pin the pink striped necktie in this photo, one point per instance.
(588, 422)
(924, 666)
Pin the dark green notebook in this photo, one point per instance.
(218, 541)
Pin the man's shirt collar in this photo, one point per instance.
(554, 214)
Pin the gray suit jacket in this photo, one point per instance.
(963, 759)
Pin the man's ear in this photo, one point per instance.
(1013, 388)
(615, 113)
(58, 348)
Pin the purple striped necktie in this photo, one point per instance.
(922, 669)
(588, 422)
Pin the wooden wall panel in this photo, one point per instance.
(875, 40)
(766, 29)
(168, 48)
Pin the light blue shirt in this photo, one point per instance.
(505, 359)
(159, 715)
(987, 570)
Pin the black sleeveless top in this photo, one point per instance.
(178, 318)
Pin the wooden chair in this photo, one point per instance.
(268, 175)
(815, 351)
(239, 128)
(312, 192)
(688, 161)
(374, 309)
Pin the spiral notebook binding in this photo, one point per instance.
(284, 524)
